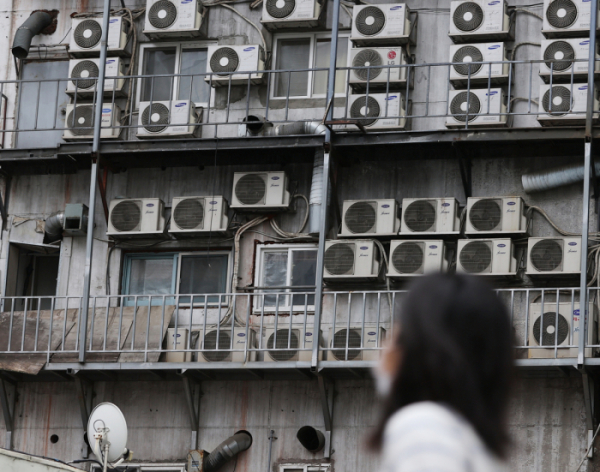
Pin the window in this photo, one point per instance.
(285, 267)
(188, 59)
(305, 468)
(309, 51)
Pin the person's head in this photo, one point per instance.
(453, 345)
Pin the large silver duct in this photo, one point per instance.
(227, 450)
(316, 194)
(553, 178)
(54, 225)
(31, 27)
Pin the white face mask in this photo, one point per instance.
(383, 381)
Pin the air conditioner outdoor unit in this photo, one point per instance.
(496, 215)
(477, 20)
(569, 105)
(87, 33)
(278, 14)
(83, 75)
(379, 110)
(370, 218)
(383, 24)
(553, 256)
(79, 122)
(558, 330)
(136, 217)
(224, 61)
(177, 341)
(260, 191)
(170, 19)
(563, 18)
(351, 260)
(489, 257)
(560, 54)
(222, 349)
(364, 343)
(378, 78)
(423, 216)
(295, 343)
(196, 215)
(464, 72)
(484, 107)
(410, 258)
(168, 119)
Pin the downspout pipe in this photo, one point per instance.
(25, 33)
(554, 178)
(227, 450)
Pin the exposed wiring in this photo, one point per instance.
(585, 456)
(387, 279)
(249, 21)
(299, 234)
(528, 12)
(518, 45)
(523, 99)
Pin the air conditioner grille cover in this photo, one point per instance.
(549, 335)
(476, 257)
(339, 342)
(339, 259)
(83, 70)
(280, 8)
(419, 216)
(468, 16)
(367, 111)
(561, 13)
(366, 58)
(370, 21)
(189, 213)
(546, 255)
(162, 14)
(250, 189)
(361, 217)
(486, 215)
(87, 34)
(81, 119)
(159, 119)
(467, 54)
(221, 352)
(224, 60)
(559, 50)
(561, 100)
(283, 337)
(458, 106)
(408, 258)
(126, 215)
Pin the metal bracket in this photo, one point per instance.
(193, 394)
(465, 172)
(326, 390)
(8, 398)
(85, 395)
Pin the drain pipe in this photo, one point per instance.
(227, 450)
(556, 177)
(30, 28)
(271, 439)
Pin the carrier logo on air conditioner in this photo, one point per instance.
(572, 243)
(275, 178)
(364, 248)
(433, 247)
(308, 334)
(241, 335)
(371, 333)
(106, 110)
(385, 206)
(511, 203)
(445, 204)
(501, 245)
(149, 204)
(213, 203)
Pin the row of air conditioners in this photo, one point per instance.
(284, 344)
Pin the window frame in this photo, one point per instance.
(314, 36)
(224, 300)
(179, 47)
(153, 467)
(306, 467)
(259, 272)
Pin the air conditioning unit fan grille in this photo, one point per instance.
(81, 71)
(361, 217)
(420, 216)
(162, 14)
(81, 120)
(352, 336)
(158, 120)
(561, 13)
(214, 352)
(468, 16)
(549, 334)
(339, 259)
(189, 213)
(408, 258)
(251, 189)
(126, 215)
(224, 60)
(370, 21)
(365, 111)
(562, 53)
(561, 100)
(367, 58)
(546, 255)
(458, 106)
(476, 257)
(486, 215)
(87, 34)
(284, 337)
(466, 55)
(280, 8)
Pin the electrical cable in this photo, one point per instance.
(249, 21)
(528, 12)
(518, 45)
(588, 449)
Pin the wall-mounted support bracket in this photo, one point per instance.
(326, 391)
(193, 394)
(8, 398)
(464, 164)
(85, 395)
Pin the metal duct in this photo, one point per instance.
(553, 178)
(32, 26)
(300, 127)
(311, 438)
(227, 450)
(316, 194)
(54, 225)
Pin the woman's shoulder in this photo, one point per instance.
(425, 414)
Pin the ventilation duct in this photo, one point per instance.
(227, 450)
(258, 126)
(312, 439)
(54, 225)
(32, 27)
(554, 178)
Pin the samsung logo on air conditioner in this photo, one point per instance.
(572, 243)
(110, 61)
(396, 7)
(385, 206)
(496, 2)
(494, 92)
(106, 110)
(185, 2)
(495, 46)
(392, 97)
(584, 43)
(501, 245)
(583, 87)
(113, 21)
(252, 48)
(182, 104)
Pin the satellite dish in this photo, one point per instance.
(108, 424)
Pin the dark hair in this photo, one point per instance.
(455, 339)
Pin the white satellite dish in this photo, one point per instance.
(108, 424)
